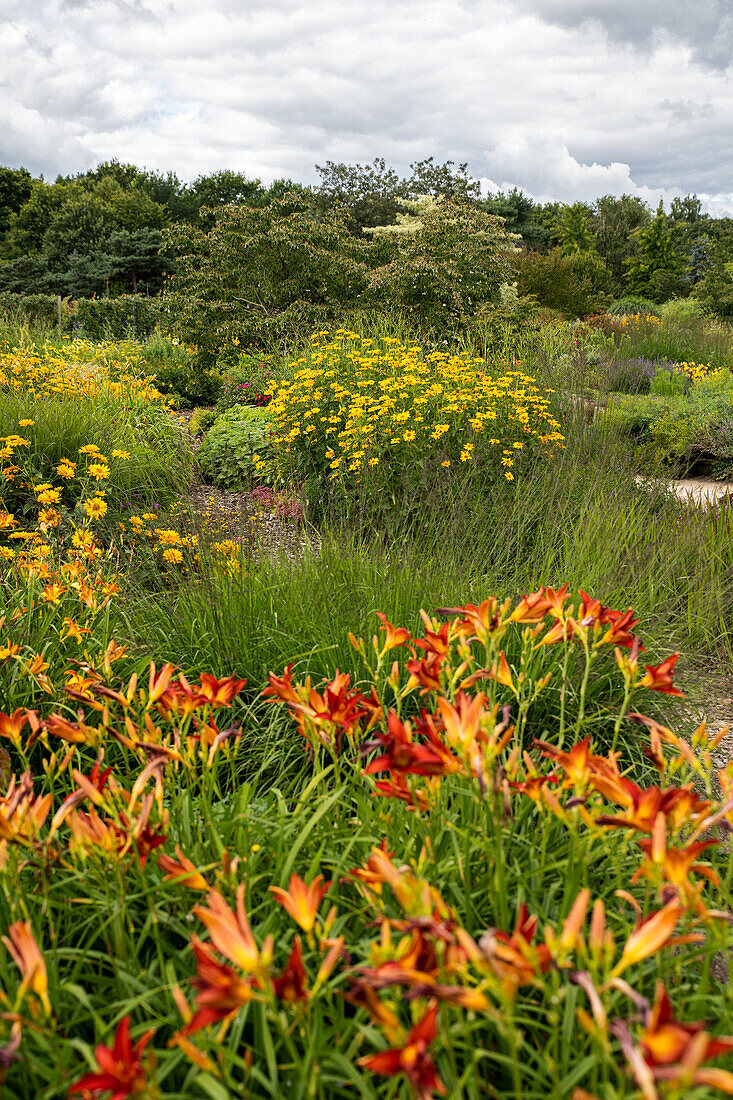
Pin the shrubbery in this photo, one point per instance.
(227, 453)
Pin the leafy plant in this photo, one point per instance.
(229, 450)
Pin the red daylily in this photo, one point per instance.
(412, 1059)
(659, 677)
(403, 754)
(291, 985)
(219, 692)
(121, 1069)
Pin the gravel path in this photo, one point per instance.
(277, 530)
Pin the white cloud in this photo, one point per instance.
(547, 94)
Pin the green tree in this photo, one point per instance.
(576, 285)
(573, 230)
(27, 227)
(657, 265)
(82, 222)
(519, 212)
(260, 272)
(371, 193)
(448, 260)
(614, 221)
(16, 185)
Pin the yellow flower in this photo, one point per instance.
(66, 468)
(26, 423)
(49, 496)
(446, 463)
(172, 555)
(408, 436)
(116, 453)
(99, 471)
(89, 449)
(167, 538)
(95, 507)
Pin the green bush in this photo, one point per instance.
(116, 318)
(34, 309)
(631, 304)
(676, 431)
(576, 285)
(178, 373)
(226, 456)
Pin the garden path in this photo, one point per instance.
(236, 516)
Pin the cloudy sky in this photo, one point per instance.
(568, 99)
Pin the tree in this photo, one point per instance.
(614, 220)
(657, 265)
(27, 227)
(448, 261)
(262, 271)
(576, 285)
(441, 181)
(573, 230)
(136, 259)
(371, 193)
(519, 212)
(16, 185)
(82, 222)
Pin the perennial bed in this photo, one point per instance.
(479, 863)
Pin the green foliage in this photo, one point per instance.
(633, 304)
(374, 194)
(178, 373)
(614, 220)
(452, 261)
(577, 285)
(677, 431)
(520, 214)
(667, 383)
(677, 339)
(573, 230)
(656, 266)
(260, 273)
(226, 455)
(117, 318)
(36, 309)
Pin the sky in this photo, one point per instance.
(566, 99)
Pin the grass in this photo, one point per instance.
(132, 891)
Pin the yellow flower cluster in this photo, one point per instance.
(353, 404)
(80, 368)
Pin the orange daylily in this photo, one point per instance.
(232, 934)
(302, 901)
(12, 725)
(659, 677)
(219, 692)
(222, 992)
(27, 956)
(182, 871)
(649, 936)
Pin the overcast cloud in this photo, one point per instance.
(567, 99)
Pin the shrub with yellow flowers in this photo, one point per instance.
(362, 411)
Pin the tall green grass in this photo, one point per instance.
(581, 520)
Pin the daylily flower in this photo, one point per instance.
(232, 934)
(302, 901)
(291, 985)
(412, 1059)
(659, 677)
(27, 956)
(121, 1070)
(219, 692)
